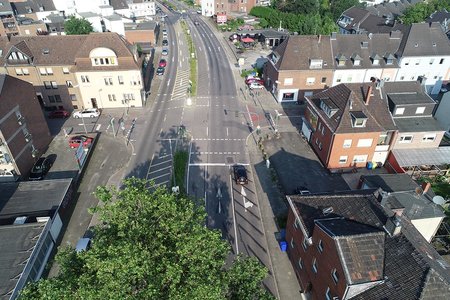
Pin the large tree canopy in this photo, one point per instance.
(152, 245)
(77, 26)
(421, 11)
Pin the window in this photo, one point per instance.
(406, 62)
(73, 97)
(324, 80)
(300, 263)
(376, 62)
(417, 62)
(19, 72)
(58, 98)
(49, 71)
(288, 81)
(356, 62)
(349, 78)
(69, 83)
(65, 70)
(320, 246)
(406, 139)
(338, 79)
(347, 143)
(304, 244)
(399, 111)
(420, 110)
(54, 85)
(359, 158)
(128, 96)
(292, 243)
(364, 143)
(47, 85)
(335, 276)
(328, 294)
(359, 123)
(441, 61)
(320, 145)
(108, 81)
(51, 99)
(310, 80)
(429, 138)
(120, 78)
(42, 71)
(402, 77)
(296, 224)
(112, 97)
(84, 78)
(431, 61)
(314, 266)
(412, 77)
(343, 159)
(26, 71)
(323, 130)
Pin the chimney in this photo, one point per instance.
(368, 95)
(393, 225)
(426, 187)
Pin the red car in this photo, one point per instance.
(162, 63)
(58, 114)
(75, 141)
(257, 80)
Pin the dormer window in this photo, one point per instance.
(328, 107)
(375, 59)
(341, 59)
(274, 58)
(389, 58)
(356, 60)
(315, 64)
(103, 57)
(364, 45)
(359, 119)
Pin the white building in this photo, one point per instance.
(208, 7)
(93, 18)
(115, 23)
(443, 112)
(425, 55)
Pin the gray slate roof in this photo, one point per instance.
(416, 206)
(419, 157)
(32, 6)
(424, 39)
(418, 124)
(412, 269)
(390, 182)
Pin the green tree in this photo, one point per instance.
(77, 26)
(151, 245)
(337, 7)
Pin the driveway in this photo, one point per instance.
(297, 165)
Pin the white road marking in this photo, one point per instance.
(165, 174)
(206, 130)
(161, 131)
(187, 177)
(173, 59)
(218, 48)
(227, 131)
(165, 116)
(181, 79)
(199, 48)
(159, 170)
(209, 48)
(234, 216)
(98, 127)
(214, 164)
(168, 82)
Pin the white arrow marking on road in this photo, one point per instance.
(98, 127)
(209, 48)
(227, 131)
(199, 48)
(219, 193)
(168, 82)
(243, 192)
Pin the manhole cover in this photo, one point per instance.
(230, 160)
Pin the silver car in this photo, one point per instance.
(87, 113)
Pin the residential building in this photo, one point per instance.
(76, 71)
(134, 8)
(24, 134)
(412, 110)
(93, 18)
(37, 10)
(400, 194)
(298, 67)
(349, 125)
(115, 23)
(365, 57)
(344, 246)
(32, 215)
(442, 17)
(8, 21)
(90, 6)
(144, 33)
(424, 54)
(55, 24)
(443, 112)
(28, 26)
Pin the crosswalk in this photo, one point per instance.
(161, 165)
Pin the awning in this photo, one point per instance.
(418, 157)
(247, 40)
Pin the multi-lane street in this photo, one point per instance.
(217, 126)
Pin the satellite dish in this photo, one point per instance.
(439, 200)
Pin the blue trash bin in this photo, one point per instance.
(283, 246)
(369, 165)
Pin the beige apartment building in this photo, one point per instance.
(99, 70)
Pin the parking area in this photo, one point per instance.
(297, 165)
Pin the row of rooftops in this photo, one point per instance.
(375, 246)
(380, 50)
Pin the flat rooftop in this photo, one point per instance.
(410, 98)
(418, 124)
(140, 26)
(20, 198)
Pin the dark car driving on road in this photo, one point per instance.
(40, 169)
(240, 174)
(165, 43)
(160, 71)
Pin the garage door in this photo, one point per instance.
(306, 131)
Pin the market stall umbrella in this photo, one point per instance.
(247, 40)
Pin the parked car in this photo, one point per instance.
(83, 244)
(87, 113)
(40, 168)
(199, 11)
(165, 43)
(75, 141)
(250, 76)
(58, 114)
(255, 85)
(257, 80)
(165, 51)
(240, 174)
(301, 190)
(160, 71)
(162, 63)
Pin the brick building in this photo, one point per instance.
(344, 246)
(24, 134)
